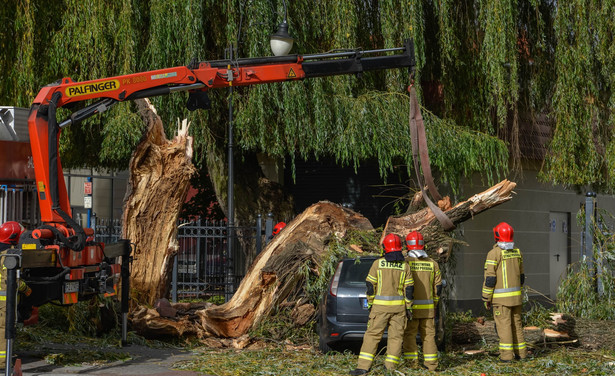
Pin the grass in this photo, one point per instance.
(279, 361)
(288, 351)
(282, 357)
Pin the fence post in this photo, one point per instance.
(588, 251)
(198, 254)
(3, 203)
(268, 227)
(230, 280)
(174, 280)
(259, 234)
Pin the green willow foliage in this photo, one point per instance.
(484, 62)
(583, 100)
(578, 291)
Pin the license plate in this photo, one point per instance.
(364, 303)
(71, 287)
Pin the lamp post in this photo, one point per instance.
(281, 43)
(230, 232)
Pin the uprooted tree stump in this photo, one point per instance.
(277, 277)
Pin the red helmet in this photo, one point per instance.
(414, 240)
(391, 243)
(503, 233)
(278, 227)
(10, 232)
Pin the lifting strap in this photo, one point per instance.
(419, 147)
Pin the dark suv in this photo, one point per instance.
(343, 311)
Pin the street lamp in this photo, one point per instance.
(281, 42)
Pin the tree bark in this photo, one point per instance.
(275, 275)
(160, 171)
(426, 223)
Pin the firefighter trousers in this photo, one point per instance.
(427, 329)
(378, 322)
(510, 330)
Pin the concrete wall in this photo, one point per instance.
(529, 212)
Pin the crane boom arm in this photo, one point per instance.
(196, 78)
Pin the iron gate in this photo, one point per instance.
(203, 268)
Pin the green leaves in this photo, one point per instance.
(578, 291)
(481, 64)
(583, 98)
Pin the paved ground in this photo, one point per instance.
(144, 361)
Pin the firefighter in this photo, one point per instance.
(9, 236)
(427, 291)
(504, 280)
(389, 300)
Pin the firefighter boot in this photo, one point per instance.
(358, 371)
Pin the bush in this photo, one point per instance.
(578, 292)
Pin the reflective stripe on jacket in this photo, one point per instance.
(390, 281)
(502, 283)
(427, 278)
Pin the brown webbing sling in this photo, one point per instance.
(419, 147)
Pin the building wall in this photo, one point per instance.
(529, 213)
(14, 123)
(108, 190)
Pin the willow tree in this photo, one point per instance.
(488, 61)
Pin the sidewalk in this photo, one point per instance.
(144, 361)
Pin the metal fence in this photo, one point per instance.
(19, 203)
(202, 268)
(106, 230)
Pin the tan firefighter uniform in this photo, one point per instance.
(502, 287)
(392, 282)
(427, 289)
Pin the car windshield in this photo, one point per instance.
(354, 272)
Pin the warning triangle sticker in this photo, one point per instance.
(291, 73)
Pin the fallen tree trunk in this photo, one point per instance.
(425, 222)
(275, 274)
(277, 278)
(160, 171)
